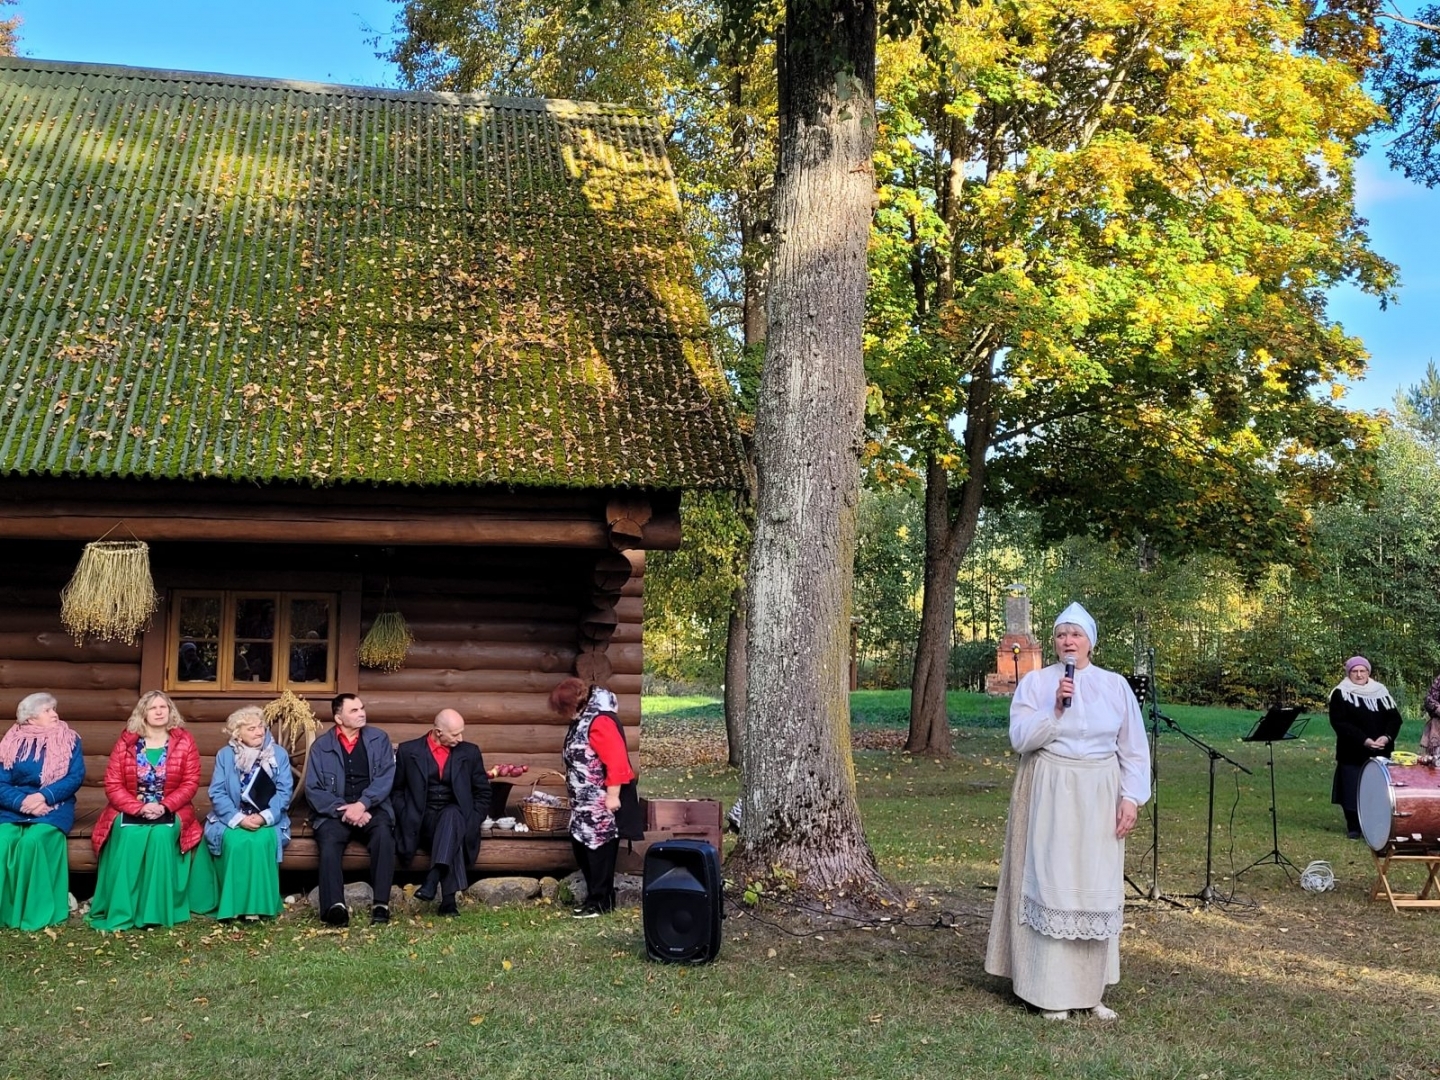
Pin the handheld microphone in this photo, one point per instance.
(1069, 674)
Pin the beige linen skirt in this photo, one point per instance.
(1063, 870)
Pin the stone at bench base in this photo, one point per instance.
(498, 891)
(628, 889)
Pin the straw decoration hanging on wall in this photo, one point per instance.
(293, 724)
(111, 595)
(386, 644)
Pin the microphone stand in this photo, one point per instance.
(1207, 895)
(1154, 717)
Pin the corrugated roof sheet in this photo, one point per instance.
(211, 276)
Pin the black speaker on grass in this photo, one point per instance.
(682, 902)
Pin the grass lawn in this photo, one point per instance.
(1277, 983)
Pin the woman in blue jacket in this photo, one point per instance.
(248, 825)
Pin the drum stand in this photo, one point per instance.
(1429, 894)
(1274, 727)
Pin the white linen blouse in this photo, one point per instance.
(1103, 719)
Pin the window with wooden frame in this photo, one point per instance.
(249, 640)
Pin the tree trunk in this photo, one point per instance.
(755, 276)
(801, 812)
(950, 521)
(929, 717)
(735, 649)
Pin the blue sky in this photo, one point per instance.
(330, 41)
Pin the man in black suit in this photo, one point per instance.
(442, 794)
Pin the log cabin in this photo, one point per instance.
(329, 351)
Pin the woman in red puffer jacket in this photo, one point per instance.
(152, 869)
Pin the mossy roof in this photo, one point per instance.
(252, 279)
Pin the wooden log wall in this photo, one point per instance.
(496, 629)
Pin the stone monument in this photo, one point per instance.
(1019, 651)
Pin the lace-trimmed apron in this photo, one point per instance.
(1074, 865)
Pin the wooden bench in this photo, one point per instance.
(500, 851)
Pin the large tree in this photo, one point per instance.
(801, 811)
(1408, 84)
(1106, 237)
(8, 27)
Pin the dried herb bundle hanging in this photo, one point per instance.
(385, 646)
(111, 595)
(293, 723)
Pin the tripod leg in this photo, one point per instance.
(1207, 894)
(1274, 856)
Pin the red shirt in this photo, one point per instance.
(441, 754)
(346, 740)
(605, 740)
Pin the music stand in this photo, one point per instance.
(1275, 726)
(1142, 684)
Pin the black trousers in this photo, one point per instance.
(597, 865)
(1346, 792)
(378, 836)
(442, 834)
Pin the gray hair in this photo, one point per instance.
(31, 706)
(243, 717)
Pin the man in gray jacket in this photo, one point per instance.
(348, 777)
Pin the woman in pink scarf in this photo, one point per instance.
(41, 769)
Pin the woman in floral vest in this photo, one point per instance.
(604, 805)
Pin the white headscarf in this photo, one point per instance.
(1079, 617)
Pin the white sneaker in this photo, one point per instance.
(1104, 1012)
(1063, 1014)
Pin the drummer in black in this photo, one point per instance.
(1366, 722)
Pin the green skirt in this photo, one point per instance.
(34, 876)
(144, 880)
(249, 876)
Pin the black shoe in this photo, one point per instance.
(426, 892)
(337, 915)
(1353, 834)
(379, 914)
(447, 907)
(585, 911)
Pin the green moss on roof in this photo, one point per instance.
(207, 276)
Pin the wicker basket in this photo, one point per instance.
(542, 818)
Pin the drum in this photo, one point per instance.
(1399, 805)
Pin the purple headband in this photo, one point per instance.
(1357, 661)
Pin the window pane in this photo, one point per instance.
(309, 619)
(253, 661)
(308, 663)
(255, 618)
(200, 617)
(195, 661)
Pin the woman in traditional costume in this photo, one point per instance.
(1084, 772)
(41, 768)
(248, 825)
(1366, 721)
(146, 839)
